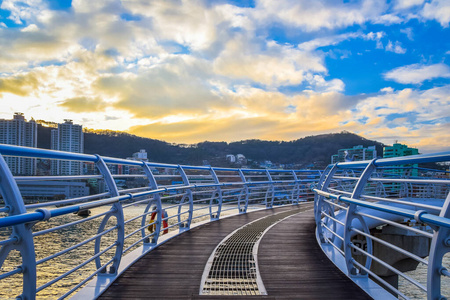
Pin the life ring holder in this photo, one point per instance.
(152, 224)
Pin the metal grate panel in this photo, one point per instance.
(232, 267)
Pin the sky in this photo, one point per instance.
(186, 71)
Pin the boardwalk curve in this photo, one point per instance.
(174, 270)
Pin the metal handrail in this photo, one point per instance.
(384, 194)
(423, 216)
(212, 192)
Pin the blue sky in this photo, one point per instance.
(187, 71)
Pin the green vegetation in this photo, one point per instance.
(301, 153)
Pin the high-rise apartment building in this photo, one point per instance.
(354, 154)
(67, 137)
(19, 132)
(397, 150)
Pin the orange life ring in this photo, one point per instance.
(152, 225)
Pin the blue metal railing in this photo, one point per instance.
(377, 221)
(96, 223)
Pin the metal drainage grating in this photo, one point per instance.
(232, 267)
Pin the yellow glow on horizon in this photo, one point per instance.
(191, 76)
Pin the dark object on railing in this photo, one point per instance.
(189, 194)
(84, 213)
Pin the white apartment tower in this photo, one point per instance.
(19, 132)
(67, 137)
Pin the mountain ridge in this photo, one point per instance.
(311, 150)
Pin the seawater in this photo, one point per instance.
(56, 241)
(420, 274)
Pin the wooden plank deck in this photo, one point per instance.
(293, 266)
(299, 270)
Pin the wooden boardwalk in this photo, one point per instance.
(291, 263)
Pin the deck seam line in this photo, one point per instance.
(259, 283)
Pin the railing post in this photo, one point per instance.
(296, 189)
(270, 190)
(246, 193)
(350, 216)
(117, 212)
(219, 194)
(323, 176)
(319, 203)
(187, 225)
(21, 232)
(320, 184)
(440, 245)
(157, 199)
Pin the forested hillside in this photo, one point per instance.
(302, 152)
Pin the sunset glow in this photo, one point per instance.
(218, 70)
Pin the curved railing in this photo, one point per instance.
(381, 219)
(99, 214)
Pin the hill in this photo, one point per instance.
(301, 153)
(315, 150)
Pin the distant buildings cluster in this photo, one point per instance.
(20, 132)
(358, 153)
(242, 162)
(237, 159)
(64, 137)
(126, 170)
(397, 150)
(354, 154)
(67, 137)
(140, 156)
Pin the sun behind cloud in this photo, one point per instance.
(190, 71)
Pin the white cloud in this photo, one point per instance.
(313, 44)
(388, 19)
(376, 36)
(409, 33)
(267, 63)
(415, 117)
(315, 15)
(396, 48)
(320, 85)
(330, 40)
(229, 73)
(188, 23)
(387, 90)
(30, 28)
(438, 10)
(406, 4)
(23, 9)
(417, 73)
